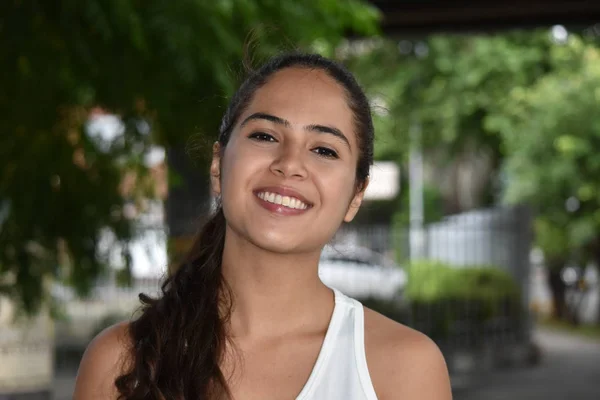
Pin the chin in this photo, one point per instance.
(276, 242)
(281, 235)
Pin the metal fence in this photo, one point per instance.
(494, 331)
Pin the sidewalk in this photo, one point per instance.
(569, 369)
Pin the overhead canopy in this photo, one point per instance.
(405, 17)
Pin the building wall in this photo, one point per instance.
(26, 354)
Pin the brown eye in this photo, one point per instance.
(262, 137)
(326, 152)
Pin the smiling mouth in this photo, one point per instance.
(285, 201)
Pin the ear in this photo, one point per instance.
(356, 202)
(215, 169)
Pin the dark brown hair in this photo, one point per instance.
(179, 339)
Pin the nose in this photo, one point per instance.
(290, 162)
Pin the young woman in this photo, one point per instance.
(246, 316)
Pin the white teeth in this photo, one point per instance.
(286, 201)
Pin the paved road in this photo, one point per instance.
(570, 369)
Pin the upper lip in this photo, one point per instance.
(284, 191)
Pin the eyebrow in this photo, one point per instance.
(313, 127)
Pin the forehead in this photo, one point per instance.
(304, 97)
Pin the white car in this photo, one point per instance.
(361, 273)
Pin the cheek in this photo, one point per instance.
(339, 188)
(228, 170)
(238, 166)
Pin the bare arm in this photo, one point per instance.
(404, 364)
(423, 374)
(102, 362)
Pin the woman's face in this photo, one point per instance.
(287, 178)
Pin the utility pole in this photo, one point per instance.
(415, 182)
(416, 211)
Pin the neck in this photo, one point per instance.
(273, 293)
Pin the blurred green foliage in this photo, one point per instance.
(446, 87)
(443, 301)
(448, 84)
(552, 132)
(171, 65)
(430, 281)
(525, 100)
(446, 300)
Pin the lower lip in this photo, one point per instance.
(279, 209)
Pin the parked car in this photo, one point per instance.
(361, 273)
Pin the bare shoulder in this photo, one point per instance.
(404, 363)
(103, 361)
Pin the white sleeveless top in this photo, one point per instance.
(341, 369)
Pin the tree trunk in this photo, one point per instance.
(597, 265)
(598, 294)
(594, 250)
(558, 289)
